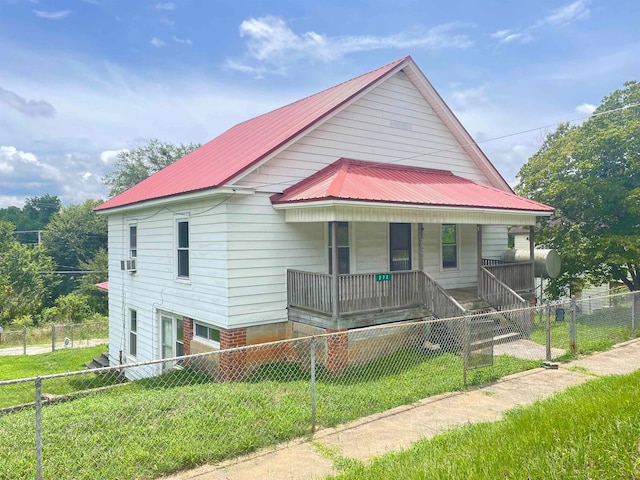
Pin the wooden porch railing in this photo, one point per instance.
(438, 301)
(309, 290)
(498, 294)
(361, 293)
(518, 276)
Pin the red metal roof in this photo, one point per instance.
(389, 183)
(102, 286)
(237, 149)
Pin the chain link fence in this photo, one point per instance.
(53, 337)
(149, 419)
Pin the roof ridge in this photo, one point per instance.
(398, 62)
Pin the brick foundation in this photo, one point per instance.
(232, 364)
(337, 351)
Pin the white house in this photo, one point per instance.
(233, 244)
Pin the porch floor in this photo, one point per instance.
(464, 295)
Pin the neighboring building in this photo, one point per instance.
(234, 243)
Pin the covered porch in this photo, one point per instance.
(423, 237)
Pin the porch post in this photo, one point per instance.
(421, 247)
(479, 250)
(335, 288)
(532, 248)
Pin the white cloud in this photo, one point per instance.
(272, 45)
(165, 6)
(156, 42)
(469, 96)
(184, 41)
(585, 109)
(57, 15)
(578, 10)
(109, 156)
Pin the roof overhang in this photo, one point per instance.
(185, 197)
(356, 211)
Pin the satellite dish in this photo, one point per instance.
(66, 342)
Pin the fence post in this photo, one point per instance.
(572, 326)
(24, 340)
(634, 297)
(548, 332)
(53, 337)
(465, 348)
(313, 384)
(72, 335)
(38, 385)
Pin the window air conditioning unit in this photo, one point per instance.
(128, 265)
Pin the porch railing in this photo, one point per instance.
(438, 301)
(309, 290)
(504, 299)
(518, 276)
(367, 292)
(364, 292)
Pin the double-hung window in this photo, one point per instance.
(133, 241)
(133, 332)
(449, 246)
(342, 229)
(183, 249)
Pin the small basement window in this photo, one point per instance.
(205, 332)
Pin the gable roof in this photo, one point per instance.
(357, 180)
(245, 145)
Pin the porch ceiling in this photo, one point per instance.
(345, 211)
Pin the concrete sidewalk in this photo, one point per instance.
(399, 428)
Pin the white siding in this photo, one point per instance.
(391, 124)
(260, 250)
(154, 285)
(495, 241)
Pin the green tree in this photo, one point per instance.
(133, 166)
(591, 174)
(73, 238)
(35, 215)
(26, 277)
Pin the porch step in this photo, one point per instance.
(98, 362)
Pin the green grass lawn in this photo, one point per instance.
(25, 366)
(180, 420)
(594, 333)
(591, 431)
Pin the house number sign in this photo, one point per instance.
(383, 277)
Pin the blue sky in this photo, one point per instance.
(81, 80)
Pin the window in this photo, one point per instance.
(183, 249)
(400, 246)
(343, 247)
(449, 246)
(210, 334)
(133, 241)
(133, 333)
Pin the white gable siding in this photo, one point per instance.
(391, 124)
(154, 285)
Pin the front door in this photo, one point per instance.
(400, 246)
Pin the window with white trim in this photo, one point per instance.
(343, 247)
(133, 241)
(449, 246)
(207, 333)
(183, 249)
(133, 332)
